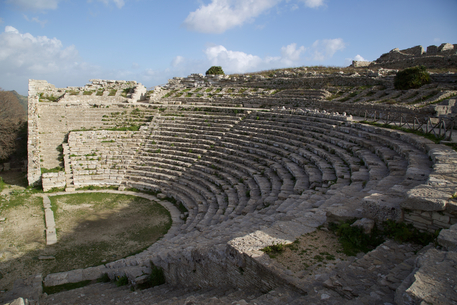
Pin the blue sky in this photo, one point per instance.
(68, 42)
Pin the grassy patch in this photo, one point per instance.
(52, 170)
(274, 250)
(95, 228)
(126, 128)
(20, 198)
(94, 187)
(354, 240)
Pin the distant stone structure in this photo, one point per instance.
(434, 57)
(257, 160)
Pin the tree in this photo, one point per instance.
(215, 70)
(12, 126)
(411, 78)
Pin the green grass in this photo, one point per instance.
(89, 92)
(52, 170)
(122, 281)
(112, 92)
(20, 198)
(126, 128)
(94, 187)
(354, 240)
(2, 184)
(85, 253)
(274, 250)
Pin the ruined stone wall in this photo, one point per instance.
(53, 180)
(56, 120)
(431, 62)
(33, 142)
(54, 112)
(222, 266)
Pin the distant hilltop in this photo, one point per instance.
(443, 56)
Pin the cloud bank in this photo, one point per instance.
(221, 15)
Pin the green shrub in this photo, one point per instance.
(215, 70)
(122, 281)
(354, 240)
(411, 78)
(2, 184)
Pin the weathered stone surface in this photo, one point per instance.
(433, 281)
(60, 278)
(366, 224)
(425, 198)
(24, 290)
(448, 238)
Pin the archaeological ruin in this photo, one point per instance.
(253, 160)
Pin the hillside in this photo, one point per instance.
(22, 100)
(12, 125)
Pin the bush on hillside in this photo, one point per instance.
(215, 70)
(411, 78)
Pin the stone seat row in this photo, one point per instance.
(240, 160)
(247, 171)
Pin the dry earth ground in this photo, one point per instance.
(92, 229)
(311, 253)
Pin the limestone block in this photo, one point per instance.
(446, 48)
(448, 238)
(60, 278)
(381, 207)
(425, 198)
(93, 273)
(416, 51)
(433, 280)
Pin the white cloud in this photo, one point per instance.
(34, 5)
(221, 15)
(35, 19)
(359, 58)
(348, 61)
(326, 48)
(24, 56)
(313, 3)
(177, 60)
(290, 53)
(240, 62)
(24, 53)
(235, 61)
(118, 3)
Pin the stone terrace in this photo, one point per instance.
(245, 178)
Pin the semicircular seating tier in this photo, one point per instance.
(223, 164)
(252, 178)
